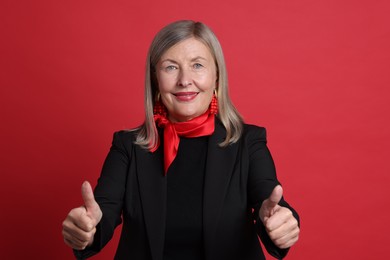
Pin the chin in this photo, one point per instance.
(186, 113)
(183, 116)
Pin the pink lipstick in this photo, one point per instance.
(185, 96)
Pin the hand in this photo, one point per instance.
(279, 222)
(79, 227)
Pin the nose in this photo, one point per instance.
(184, 78)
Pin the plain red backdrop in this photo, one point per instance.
(315, 73)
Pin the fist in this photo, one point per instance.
(279, 222)
(79, 227)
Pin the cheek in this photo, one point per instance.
(164, 84)
(207, 82)
(213, 78)
(207, 97)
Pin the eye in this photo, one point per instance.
(198, 66)
(170, 68)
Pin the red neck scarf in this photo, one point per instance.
(202, 125)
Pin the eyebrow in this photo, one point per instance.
(192, 60)
(168, 60)
(198, 58)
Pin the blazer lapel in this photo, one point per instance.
(153, 197)
(219, 168)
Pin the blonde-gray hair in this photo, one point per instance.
(147, 136)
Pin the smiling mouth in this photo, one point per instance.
(186, 96)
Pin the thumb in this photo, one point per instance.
(93, 209)
(275, 196)
(268, 207)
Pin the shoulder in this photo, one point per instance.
(124, 139)
(254, 132)
(254, 138)
(126, 135)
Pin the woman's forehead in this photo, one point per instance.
(190, 48)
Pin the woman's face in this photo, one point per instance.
(187, 77)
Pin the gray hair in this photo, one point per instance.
(147, 136)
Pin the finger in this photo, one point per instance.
(78, 233)
(286, 234)
(74, 245)
(290, 242)
(279, 218)
(287, 240)
(78, 217)
(286, 229)
(73, 241)
(88, 197)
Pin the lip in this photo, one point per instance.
(185, 96)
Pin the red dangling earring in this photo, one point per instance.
(159, 108)
(214, 105)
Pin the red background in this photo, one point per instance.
(315, 73)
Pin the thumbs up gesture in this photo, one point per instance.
(79, 227)
(279, 222)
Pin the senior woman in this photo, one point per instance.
(193, 181)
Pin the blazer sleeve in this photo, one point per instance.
(109, 193)
(262, 181)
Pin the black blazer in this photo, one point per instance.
(237, 180)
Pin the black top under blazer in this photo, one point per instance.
(132, 188)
